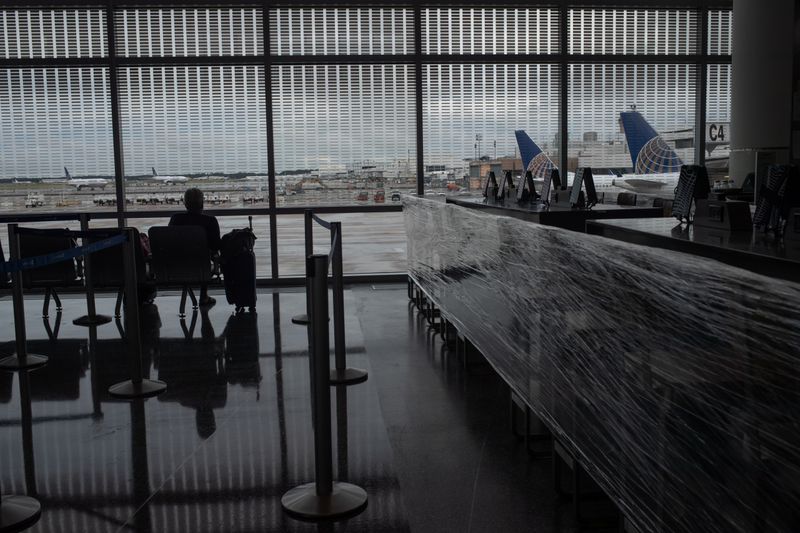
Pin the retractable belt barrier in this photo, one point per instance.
(29, 263)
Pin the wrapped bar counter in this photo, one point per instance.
(672, 378)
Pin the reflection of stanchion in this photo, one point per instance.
(341, 375)
(137, 386)
(309, 250)
(22, 360)
(324, 499)
(20, 512)
(91, 318)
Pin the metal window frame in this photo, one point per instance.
(563, 59)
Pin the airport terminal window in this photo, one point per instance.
(470, 113)
(52, 33)
(52, 118)
(632, 31)
(489, 31)
(718, 120)
(340, 31)
(344, 134)
(720, 26)
(189, 32)
(664, 96)
(205, 123)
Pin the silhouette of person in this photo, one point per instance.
(194, 216)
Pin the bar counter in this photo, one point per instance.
(673, 379)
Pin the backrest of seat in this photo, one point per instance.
(180, 254)
(108, 268)
(626, 198)
(54, 275)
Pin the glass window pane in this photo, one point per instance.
(489, 31)
(341, 31)
(52, 118)
(718, 120)
(372, 242)
(343, 133)
(632, 31)
(664, 98)
(50, 33)
(201, 126)
(471, 112)
(720, 26)
(189, 32)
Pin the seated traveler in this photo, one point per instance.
(193, 201)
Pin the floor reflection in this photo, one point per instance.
(215, 452)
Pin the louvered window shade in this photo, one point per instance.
(720, 26)
(339, 118)
(193, 120)
(632, 31)
(52, 33)
(343, 31)
(664, 94)
(55, 117)
(189, 32)
(489, 31)
(462, 102)
(718, 106)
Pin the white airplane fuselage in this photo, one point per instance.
(88, 183)
(649, 184)
(168, 180)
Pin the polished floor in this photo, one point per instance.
(428, 441)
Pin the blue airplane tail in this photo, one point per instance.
(533, 159)
(527, 148)
(66, 173)
(649, 152)
(154, 171)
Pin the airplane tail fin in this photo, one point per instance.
(649, 152)
(527, 148)
(66, 173)
(533, 158)
(154, 171)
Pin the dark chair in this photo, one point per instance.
(50, 277)
(665, 204)
(108, 272)
(626, 198)
(180, 257)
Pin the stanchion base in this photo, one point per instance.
(13, 363)
(348, 376)
(300, 319)
(144, 389)
(88, 320)
(18, 513)
(304, 503)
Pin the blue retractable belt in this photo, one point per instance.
(39, 261)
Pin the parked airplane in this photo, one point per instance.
(167, 180)
(85, 183)
(656, 166)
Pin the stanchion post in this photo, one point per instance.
(91, 318)
(19, 512)
(324, 499)
(137, 386)
(341, 375)
(22, 360)
(308, 233)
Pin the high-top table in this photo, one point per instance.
(559, 216)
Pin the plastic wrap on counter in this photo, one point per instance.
(674, 379)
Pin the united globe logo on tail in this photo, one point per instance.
(650, 154)
(533, 158)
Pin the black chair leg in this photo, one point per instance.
(57, 300)
(194, 300)
(182, 308)
(46, 304)
(118, 305)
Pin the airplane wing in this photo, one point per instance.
(644, 183)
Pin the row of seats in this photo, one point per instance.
(177, 256)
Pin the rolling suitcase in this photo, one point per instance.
(239, 267)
